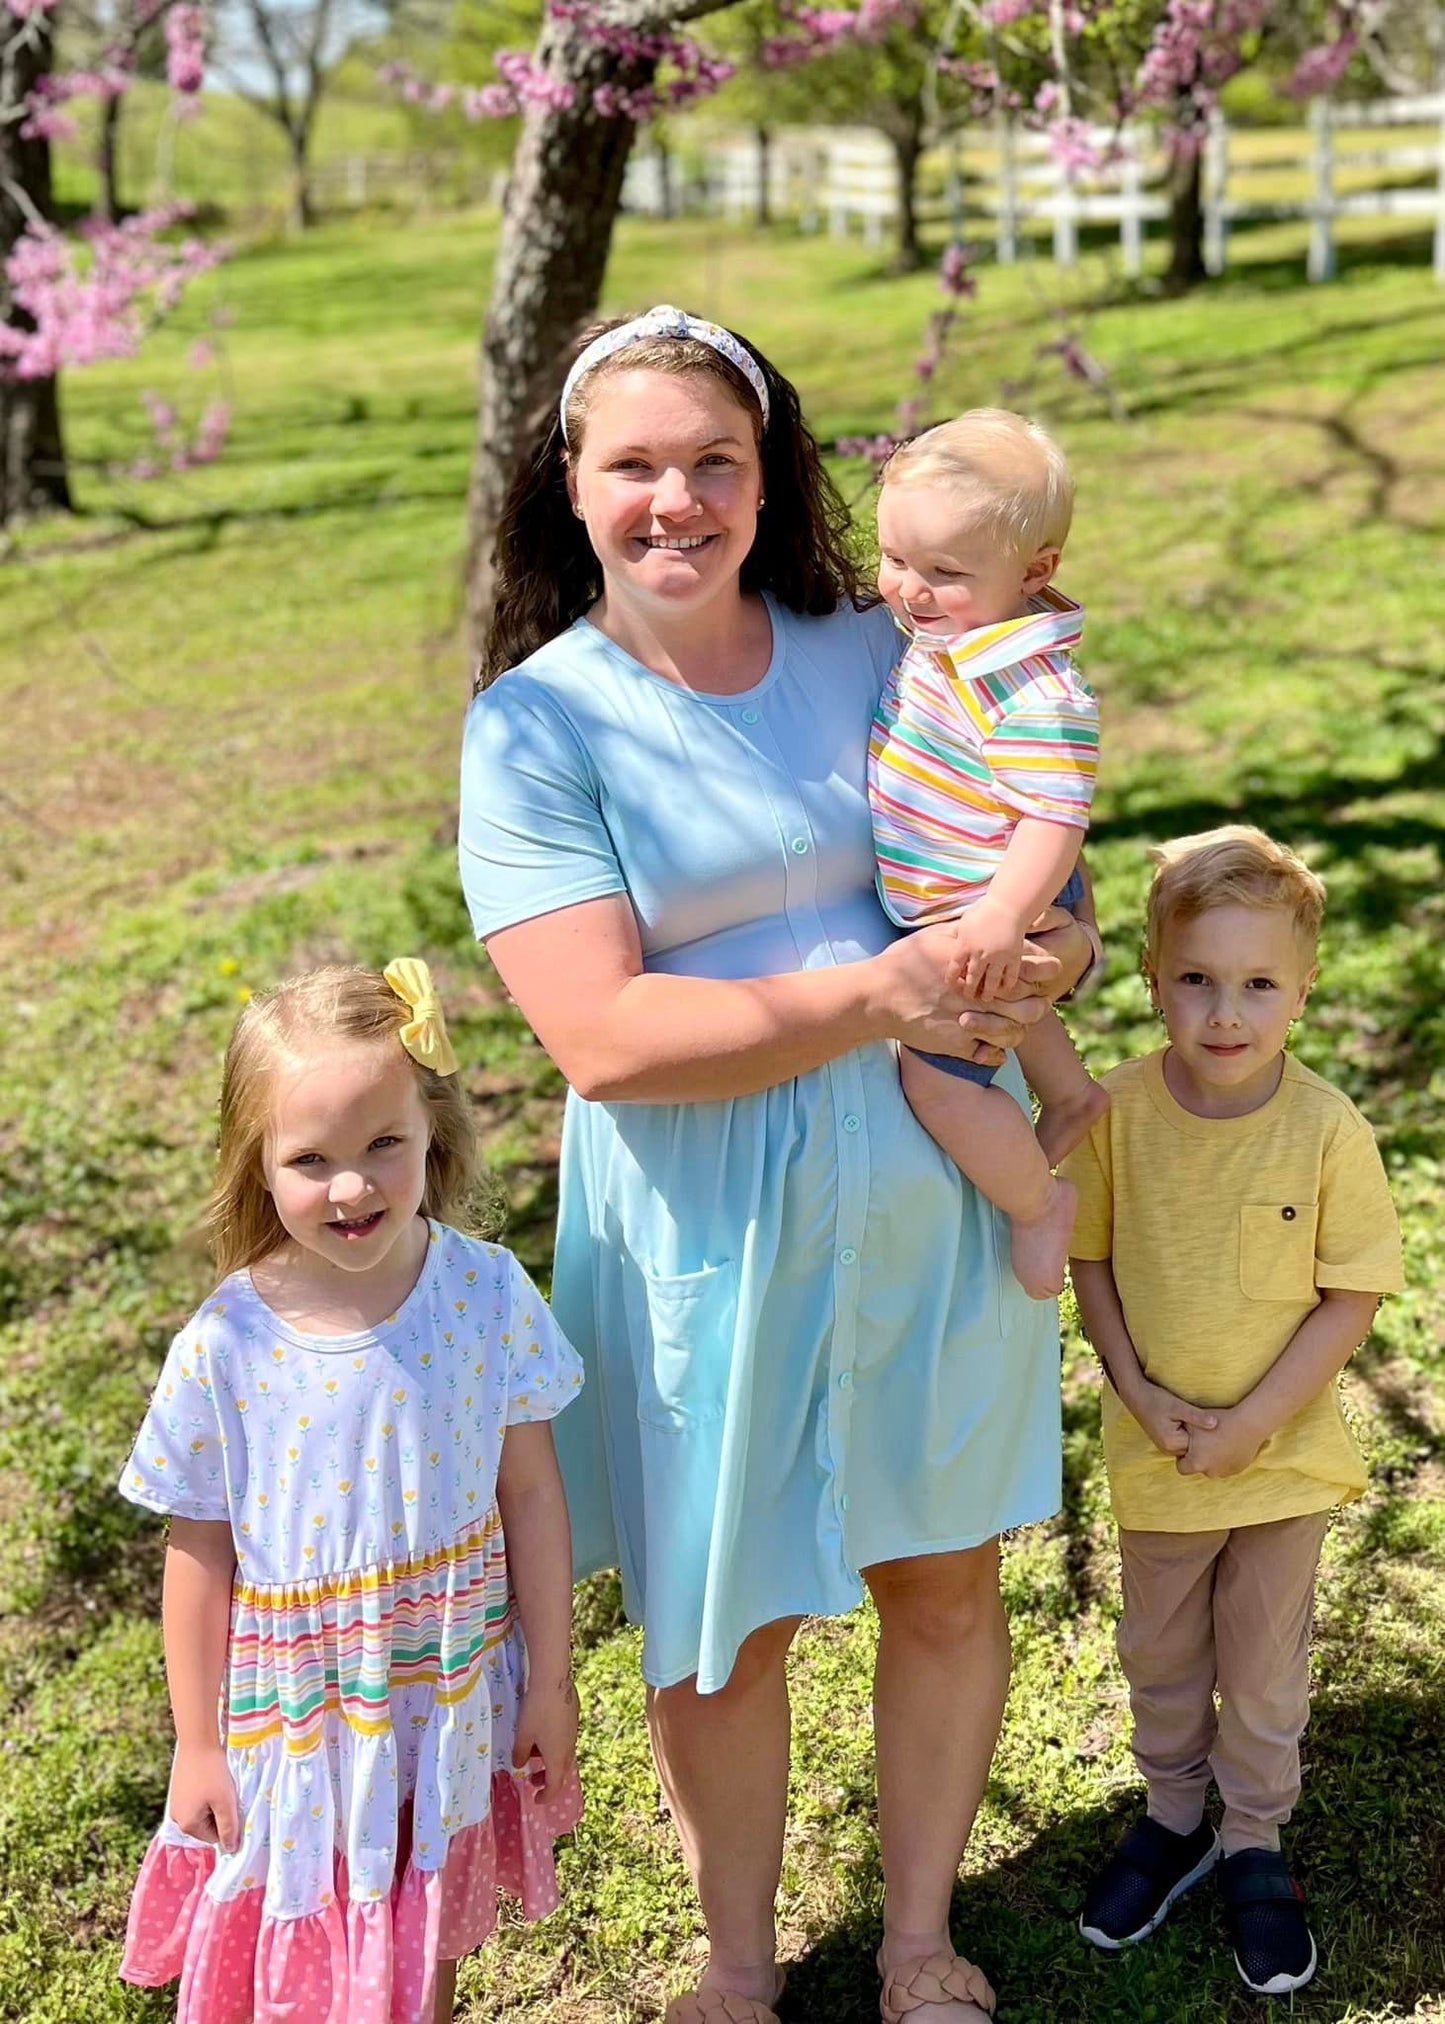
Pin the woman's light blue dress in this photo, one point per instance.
(805, 1352)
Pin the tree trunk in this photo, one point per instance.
(562, 200)
(32, 450)
(764, 137)
(907, 139)
(303, 211)
(1186, 220)
(107, 162)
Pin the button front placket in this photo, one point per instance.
(846, 1089)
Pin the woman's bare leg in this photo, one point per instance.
(723, 1762)
(938, 1696)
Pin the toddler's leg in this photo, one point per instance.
(985, 1132)
(1069, 1098)
(1263, 1608)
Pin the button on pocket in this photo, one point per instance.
(1277, 1250)
(682, 1326)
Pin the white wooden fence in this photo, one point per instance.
(1011, 189)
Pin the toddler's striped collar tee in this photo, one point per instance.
(1053, 624)
(970, 735)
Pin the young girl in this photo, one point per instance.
(341, 1436)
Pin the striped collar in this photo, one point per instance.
(1053, 623)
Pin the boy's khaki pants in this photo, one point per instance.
(1230, 1610)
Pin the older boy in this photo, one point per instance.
(1234, 1236)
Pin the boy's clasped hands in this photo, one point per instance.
(1204, 1440)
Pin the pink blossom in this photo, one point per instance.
(1320, 70)
(26, 10)
(185, 48)
(953, 275)
(1000, 13)
(202, 353)
(1073, 145)
(103, 309)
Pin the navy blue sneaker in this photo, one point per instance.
(1149, 1869)
(1274, 1949)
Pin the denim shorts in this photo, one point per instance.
(979, 1071)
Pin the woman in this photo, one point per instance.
(807, 1370)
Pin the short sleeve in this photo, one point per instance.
(544, 1371)
(178, 1465)
(885, 637)
(1090, 1167)
(1357, 1236)
(1044, 756)
(532, 835)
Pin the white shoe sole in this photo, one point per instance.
(1280, 1985)
(1110, 1945)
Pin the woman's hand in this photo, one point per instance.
(927, 1006)
(203, 1798)
(547, 1734)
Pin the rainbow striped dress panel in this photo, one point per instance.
(375, 1656)
(970, 735)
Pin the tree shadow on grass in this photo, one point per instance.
(1368, 1844)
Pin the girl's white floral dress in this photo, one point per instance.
(376, 1661)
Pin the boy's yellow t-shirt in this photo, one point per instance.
(1220, 1232)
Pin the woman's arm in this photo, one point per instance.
(196, 1621)
(621, 1034)
(539, 1562)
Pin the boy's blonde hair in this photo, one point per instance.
(336, 1003)
(1238, 866)
(1011, 478)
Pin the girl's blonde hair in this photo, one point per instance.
(336, 1003)
(1010, 477)
(1235, 865)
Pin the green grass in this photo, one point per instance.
(231, 702)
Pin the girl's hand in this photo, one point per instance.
(203, 1798)
(546, 1742)
(1171, 1423)
(988, 950)
(926, 1005)
(1227, 1450)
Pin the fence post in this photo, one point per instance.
(1066, 222)
(1131, 196)
(1321, 263)
(1216, 190)
(1440, 189)
(1006, 245)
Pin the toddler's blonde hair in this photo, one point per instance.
(1235, 865)
(1010, 477)
(336, 1003)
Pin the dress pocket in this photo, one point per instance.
(683, 1343)
(1277, 1250)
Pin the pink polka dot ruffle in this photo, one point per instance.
(349, 1963)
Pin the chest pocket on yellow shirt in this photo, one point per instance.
(1277, 1250)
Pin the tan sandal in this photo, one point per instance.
(718, 2006)
(945, 1977)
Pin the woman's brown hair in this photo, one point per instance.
(336, 1003)
(547, 575)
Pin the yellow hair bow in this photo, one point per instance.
(424, 1036)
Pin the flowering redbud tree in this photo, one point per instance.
(64, 303)
(601, 66)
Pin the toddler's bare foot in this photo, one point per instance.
(1039, 1251)
(1062, 1126)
